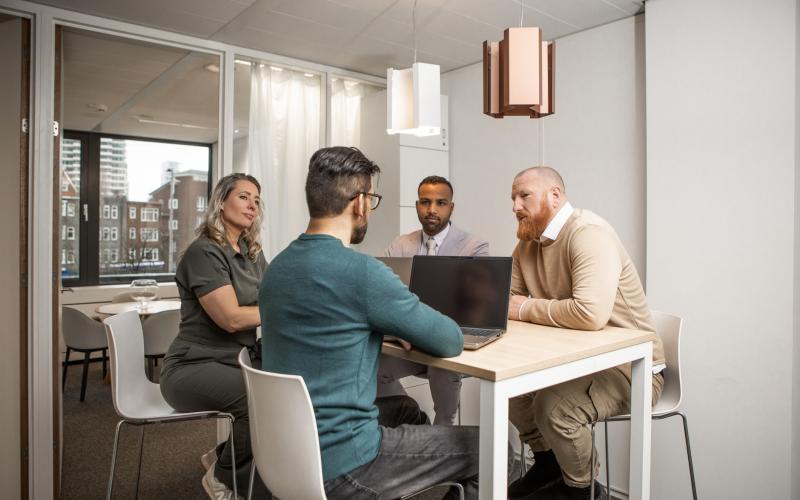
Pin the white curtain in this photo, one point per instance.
(346, 96)
(283, 134)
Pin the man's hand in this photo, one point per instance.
(406, 345)
(514, 306)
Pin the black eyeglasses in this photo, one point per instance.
(374, 198)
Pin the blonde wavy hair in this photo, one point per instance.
(214, 227)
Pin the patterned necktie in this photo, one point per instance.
(431, 244)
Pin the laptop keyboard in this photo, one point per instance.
(479, 332)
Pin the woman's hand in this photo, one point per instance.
(223, 308)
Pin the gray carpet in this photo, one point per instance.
(171, 465)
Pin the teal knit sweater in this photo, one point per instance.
(324, 310)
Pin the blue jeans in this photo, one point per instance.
(412, 458)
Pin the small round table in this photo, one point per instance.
(156, 306)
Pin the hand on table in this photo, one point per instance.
(514, 305)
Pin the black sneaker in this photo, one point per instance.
(560, 491)
(544, 472)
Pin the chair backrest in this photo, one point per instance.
(668, 328)
(283, 433)
(160, 329)
(80, 331)
(129, 383)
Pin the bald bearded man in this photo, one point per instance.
(570, 271)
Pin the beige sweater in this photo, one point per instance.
(584, 280)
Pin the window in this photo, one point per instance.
(114, 176)
(149, 214)
(201, 203)
(149, 234)
(73, 161)
(200, 221)
(150, 254)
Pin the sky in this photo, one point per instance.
(145, 161)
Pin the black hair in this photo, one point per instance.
(435, 179)
(335, 176)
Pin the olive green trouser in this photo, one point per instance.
(557, 418)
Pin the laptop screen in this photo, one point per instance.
(474, 291)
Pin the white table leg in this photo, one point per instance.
(493, 442)
(641, 420)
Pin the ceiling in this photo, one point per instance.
(123, 86)
(361, 35)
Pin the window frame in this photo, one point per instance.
(88, 253)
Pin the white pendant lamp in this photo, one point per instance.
(412, 100)
(412, 105)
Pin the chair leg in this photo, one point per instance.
(594, 458)
(105, 362)
(139, 467)
(689, 454)
(113, 460)
(252, 479)
(608, 462)
(85, 374)
(64, 371)
(233, 458)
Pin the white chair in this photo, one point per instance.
(160, 329)
(283, 435)
(668, 328)
(137, 400)
(83, 334)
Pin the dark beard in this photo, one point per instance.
(358, 234)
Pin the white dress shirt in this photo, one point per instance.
(438, 238)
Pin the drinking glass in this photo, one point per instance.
(143, 291)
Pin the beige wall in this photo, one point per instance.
(10, 34)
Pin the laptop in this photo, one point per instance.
(474, 291)
(400, 265)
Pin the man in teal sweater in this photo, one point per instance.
(326, 309)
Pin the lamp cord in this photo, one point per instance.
(414, 29)
(521, 14)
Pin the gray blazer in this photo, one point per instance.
(457, 243)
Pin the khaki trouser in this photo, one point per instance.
(557, 418)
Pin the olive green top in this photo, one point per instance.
(204, 267)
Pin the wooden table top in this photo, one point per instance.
(155, 306)
(527, 348)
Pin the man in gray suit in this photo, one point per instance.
(438, 236)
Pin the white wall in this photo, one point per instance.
(10, 50)
(595, 139)
(796, 365)
(720, 236)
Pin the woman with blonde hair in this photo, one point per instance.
(218, 279)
